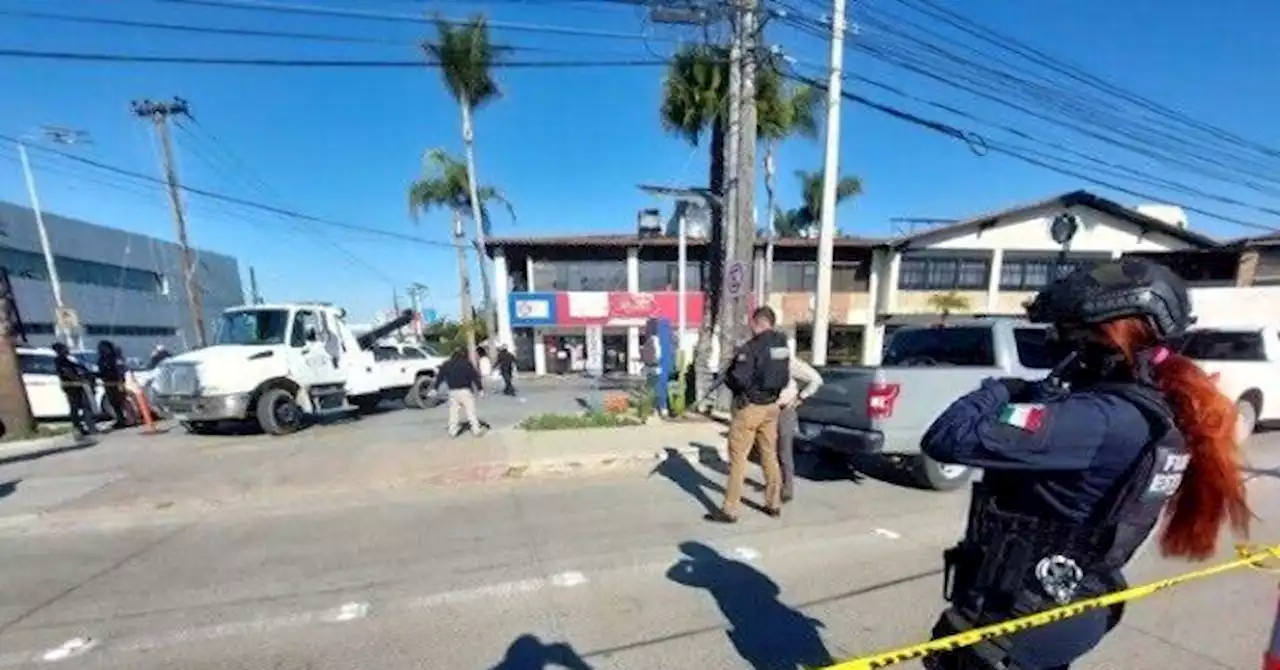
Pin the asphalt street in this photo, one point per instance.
(613, 570)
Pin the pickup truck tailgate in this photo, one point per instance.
(842, 398)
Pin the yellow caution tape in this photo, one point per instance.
(1248, 558)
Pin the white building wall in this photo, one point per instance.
(217, 274)
(1098, 232)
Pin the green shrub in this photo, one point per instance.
(643, 401)
(569, 421)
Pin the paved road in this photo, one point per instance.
(608, 571)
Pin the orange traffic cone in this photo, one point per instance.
(140, 399)
(1271, 659)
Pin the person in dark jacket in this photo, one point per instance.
(112, 373)
(760, 371)
(77, 386)
(506, 368)
(158, 356)
(1079, 468)
(460, 377)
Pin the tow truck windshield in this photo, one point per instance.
(262, 326)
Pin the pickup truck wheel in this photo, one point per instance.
(419, 395)
(1246, 419)
(941, 476)
(278, 413)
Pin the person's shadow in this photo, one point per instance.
(528, 652)
(684, 474)
(766, 633)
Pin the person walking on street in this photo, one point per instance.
(460, 377)
(804, 383)
(506, 368)
(111, 372)
(760, 370)
(77, 385)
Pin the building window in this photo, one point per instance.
(580, 275)
(1033, 274)
(665, 276)
(802, 277)
(30, 265)
(943, 273)
(106, 331)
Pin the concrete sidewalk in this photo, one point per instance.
(176, 474)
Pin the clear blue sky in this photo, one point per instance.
(568, 146)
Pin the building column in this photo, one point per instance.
(891, 281)
(528, 273)
(635, 365)
(993, 281)
(1247, 268)
(539, 353)
(633, 270)
(872, 331)
(502, 292)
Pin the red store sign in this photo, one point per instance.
(579, 308)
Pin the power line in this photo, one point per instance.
(307, 63)
(213, 195)
(1015, 152)
(312, 10)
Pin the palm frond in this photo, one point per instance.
(466, 55)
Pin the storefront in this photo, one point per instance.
(568, 328)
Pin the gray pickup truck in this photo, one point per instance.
(886, 410)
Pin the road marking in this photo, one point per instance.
(569, 579)
(745, 554)
(73, 647)
(501, 590)
(350, 611)
(885, 532)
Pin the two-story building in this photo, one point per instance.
(550, 290)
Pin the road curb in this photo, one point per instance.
(37, 445)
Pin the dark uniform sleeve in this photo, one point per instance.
(742, 368)
(1060, 432)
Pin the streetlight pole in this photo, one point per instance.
(62, 329)
(830, 178)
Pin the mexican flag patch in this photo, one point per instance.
(1023, 415)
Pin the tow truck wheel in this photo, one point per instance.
(199, 427)
(419, 395)
(278, 413)
(941, 476)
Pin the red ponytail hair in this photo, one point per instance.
(1212, 490)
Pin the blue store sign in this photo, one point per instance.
(533, 309)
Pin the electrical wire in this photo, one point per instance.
(242, 202)
(956, 133)
(308, 63)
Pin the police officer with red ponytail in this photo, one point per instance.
(1080, 467)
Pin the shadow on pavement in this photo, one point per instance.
(682, 473)
(1253, 473)
(766, 633)
(7, 488)
(528, 652)
(52, 451)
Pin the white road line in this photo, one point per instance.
(745, 554)
(349, 612)
(229, 629)
(885, 532)
(73, 647)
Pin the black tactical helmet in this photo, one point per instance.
(1114, 290)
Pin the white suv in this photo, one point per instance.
(44, 391)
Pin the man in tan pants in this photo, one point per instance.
(462, 380)
(760, 371)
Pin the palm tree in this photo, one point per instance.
(694, 103)
(447, 184)
(801, 221)
(466, 57)
(946, 303)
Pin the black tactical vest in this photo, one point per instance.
(1011, 563)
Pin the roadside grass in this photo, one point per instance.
(571, 421)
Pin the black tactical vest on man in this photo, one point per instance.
(1010, 564)
(761, 369)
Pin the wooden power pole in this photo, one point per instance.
(159, 113)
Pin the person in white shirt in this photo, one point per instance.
(804, 383)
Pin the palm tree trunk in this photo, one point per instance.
(770, 184)
(15, 409)
(714, 274)
(465, 316)
(477, 215)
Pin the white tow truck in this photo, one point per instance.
(408, 371)
(277, 365)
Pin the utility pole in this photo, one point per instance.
(729, 198)
(746, 167)
(830, 177)
(159, 113)
(66, 323)
(254, 296)
(416, 292)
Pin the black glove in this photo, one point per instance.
(1018, 388)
